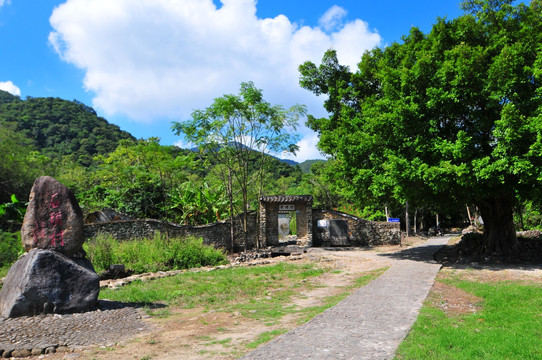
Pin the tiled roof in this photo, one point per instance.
(287, 199)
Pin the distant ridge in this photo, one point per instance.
(59, 127)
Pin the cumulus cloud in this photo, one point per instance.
(307, 149)
(161, 59)
(332, 18)
(10, 87)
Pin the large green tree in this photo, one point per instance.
(449, 117)
(235, 133)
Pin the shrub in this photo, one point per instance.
(11, 248)
(151, 255)
(101, 251)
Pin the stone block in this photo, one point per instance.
(53, 219)
(45, 281)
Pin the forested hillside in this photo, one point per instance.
(107, 167)
(58, 127)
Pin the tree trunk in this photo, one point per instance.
(407, 220)
(499, 229)
(468, 214)
(230, 198)
(416, 221)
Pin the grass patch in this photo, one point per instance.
(509, 326)
(151, 255)
(265, 337)
(257, 292)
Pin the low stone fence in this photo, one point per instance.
(216, 234)
(360, 232)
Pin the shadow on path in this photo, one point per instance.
(423, 253)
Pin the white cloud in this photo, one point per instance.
(183, 144)
(4, 2)
(10, 87)
(333, 18)
(161, 59)
(307, 149)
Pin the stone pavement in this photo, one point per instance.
(370, 323)
(46, 334)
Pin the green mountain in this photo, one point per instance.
(58, 127)
(307, 164)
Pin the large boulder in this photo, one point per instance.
(53, 219)
(45, 281)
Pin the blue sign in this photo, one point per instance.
(394, 220)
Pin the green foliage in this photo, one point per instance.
(442, 119)
(102, 251)
(293, 223)
(106, 167)
(529, 216)
(199, 205)
(306, 165)
(231, 132)
(509, 309)
(11, 248)
(21, 164)
(367, 213)
(6, 97)
(12, 212)
(151, 255)
(58, 127)
(144, 179)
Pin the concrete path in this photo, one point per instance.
(370, 323)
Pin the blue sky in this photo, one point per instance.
(145, 63)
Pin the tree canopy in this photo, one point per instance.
(449, 117)
(58, 127)
(233, 130)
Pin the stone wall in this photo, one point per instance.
(217, 234)
(360, 232)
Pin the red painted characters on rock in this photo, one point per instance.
(55, 220)
(53, 226)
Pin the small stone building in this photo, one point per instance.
(271, 209)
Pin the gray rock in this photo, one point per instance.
(44, 281)
(53, 219)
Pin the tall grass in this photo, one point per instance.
(151, 255)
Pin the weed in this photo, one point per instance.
(265, 337)
(219, 342)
